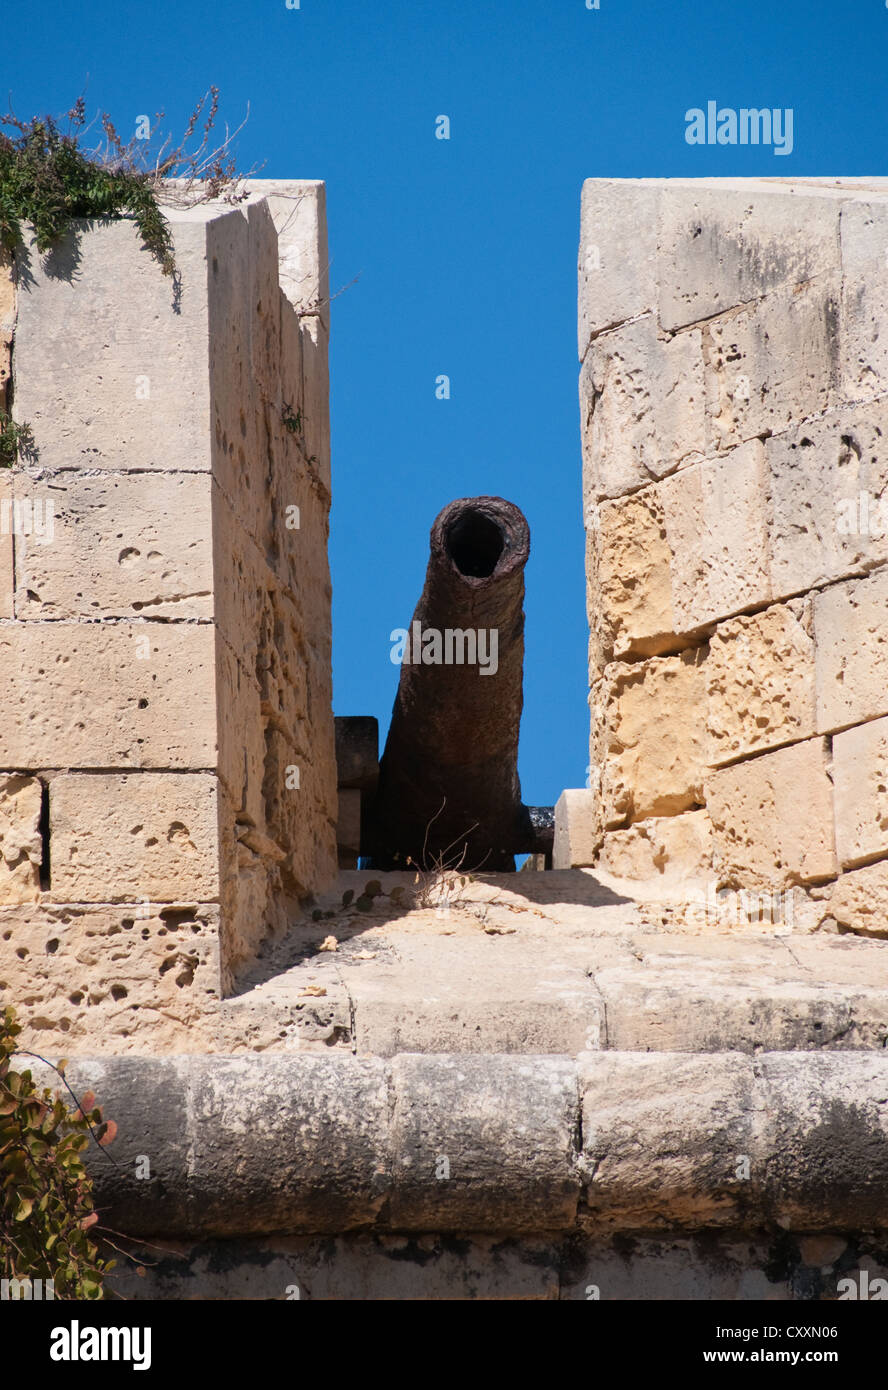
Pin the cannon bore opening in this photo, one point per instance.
(448, 791)
(475, 544)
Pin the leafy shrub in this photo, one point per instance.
(46, 1204)
(13, 438)
(48, 180)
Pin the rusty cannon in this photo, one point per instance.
(448, 792)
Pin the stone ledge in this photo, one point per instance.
(772, 1265)
(560, 962)
(507, 1145)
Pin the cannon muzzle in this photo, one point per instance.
(448, 790)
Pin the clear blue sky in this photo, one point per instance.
(466, 249)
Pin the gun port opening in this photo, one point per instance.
(475, 544)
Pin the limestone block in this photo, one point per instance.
(243, 580)
(717, 527)
(653, 765)
(357, 751)
(860, 772)
(663, 852)
(826, 483)
(247, 857)
(300, 552)
(641, 407)
(7, 552)
(111, 380)
(526, 1110)
(348, 827)
(299, 210)
(722, 247)
(104, 977)
(121, 544)
(851, 637)
(21, 848)
(772, 365)
(316, 395)
(132, 836)
(858, 900)
(290, 361)
(108, 695)
(241, 417)
(242, 746)
(760, 681)
(617, 265)
(816, 1182)
(578, 828)
(772, 817)
(696, 1119)
(630, 579)
(264, 300)
(324, 1184)
(864, 345)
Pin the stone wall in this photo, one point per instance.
(734, 408)
(168, 784)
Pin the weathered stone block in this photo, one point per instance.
(851, 637)
(816, 1181)
(771, 366)
(268, 1155)
(348, 828)
(21, 846)
(696, 1119)
(130, 836)
(717, 527)
(860, 763)
(653, 766)
(108, 695)
(613, 285)
(316, 395)
(299, 210)
(242, 749)
(112, 977)
(826, 481)
(578, 828)
(859, 900)
(864, 345)
(243, 425)
(662, 853)
(772, 818)
(760, 679)
(630, 581)
(527, 1110)
(721, 247)
(357, 751)
(641, 407)
(109, 380)
(121, 545)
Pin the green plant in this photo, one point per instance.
(294, 422)
(48, 180)
(292, 419)
(364, 902)
(46, 1203)
(14, 438)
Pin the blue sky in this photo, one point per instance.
(465, 250)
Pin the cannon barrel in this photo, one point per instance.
(448, 779)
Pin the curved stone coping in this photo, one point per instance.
(257, 1144)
